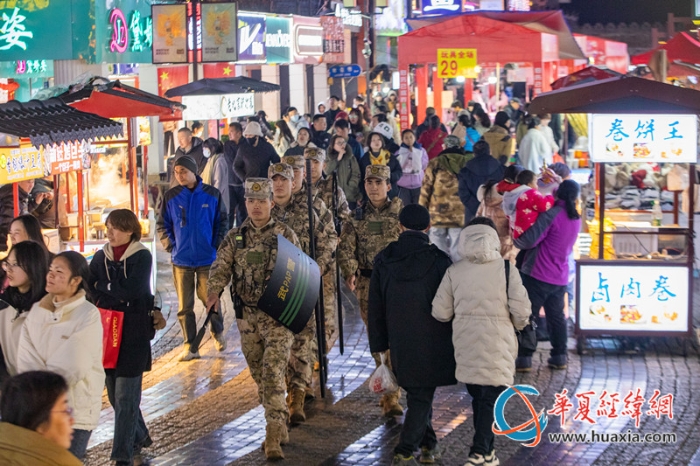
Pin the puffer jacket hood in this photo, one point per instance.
(511, 198)
(479, 244)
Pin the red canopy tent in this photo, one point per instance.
(585, 75)
(499, 38)
(681, 47)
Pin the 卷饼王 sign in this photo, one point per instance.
(643, 138)
(26, 31)
(308, 40)
(219, 32)
(169, 33)
(344, 71)
(19, 164)
(452, 63)
(64, 158)
(633, 298)
(251, 38)
(217, 107)
(278, 39)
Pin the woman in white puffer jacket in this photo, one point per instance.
(473, 293)
(63, 334)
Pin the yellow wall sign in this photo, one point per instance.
(19, 164)
(456, 62)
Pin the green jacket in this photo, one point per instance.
(24, 447)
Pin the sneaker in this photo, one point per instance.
(557, 362)
(491, 459)
(430, 455)
(404, 460)
(187, 355)
(523, 364)
(219, 341)
(475, 459)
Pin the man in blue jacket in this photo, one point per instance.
(482, 168)
(192, 223)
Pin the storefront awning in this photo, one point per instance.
(53, 122)
(221, 86)
(113, 99)
(681, 47)
(625, 95)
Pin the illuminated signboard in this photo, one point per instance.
(441, 7)
(124, 32)
(218, 107)
(251, 38)
(169, 33)
(278, 40)
(308, 40)
(643, 138)
(219, 32)
(19, 164)
(633, 297)
(26, 32)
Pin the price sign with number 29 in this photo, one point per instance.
(456, 62)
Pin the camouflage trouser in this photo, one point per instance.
(266, 345)
(362, 293)
(330, 308)
(303, 355)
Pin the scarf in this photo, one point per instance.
(381, 159)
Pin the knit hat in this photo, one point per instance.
(414, 217)
(187, 162)
(253, 129)
(451, 141)
(384, 129)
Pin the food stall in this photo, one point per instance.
(637, 280)
(29, 133)
(118, 177)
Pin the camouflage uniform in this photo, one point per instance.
(248, 266)
(296, 215)
(360, 242)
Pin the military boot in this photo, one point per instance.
(390, 404)
(296, 406)
(276, 434)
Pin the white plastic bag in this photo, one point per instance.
(382, 379)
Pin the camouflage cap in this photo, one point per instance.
(281, 169)
(295, 161)
(378, 171)
(258, 188)
(315, 153)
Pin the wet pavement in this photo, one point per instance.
(206, 412)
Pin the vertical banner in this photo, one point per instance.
(333, 39)
(404, 100)
(537, 86)
(169, 33)
(219, 32)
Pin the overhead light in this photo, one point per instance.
(493, 80)
(477, 69)
(459, 79)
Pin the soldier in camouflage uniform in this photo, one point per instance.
(296, 215)
(439, 194)
(324, 213)
(323, 190)
(246, 259)
(372, 228)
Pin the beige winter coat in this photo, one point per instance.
(473, 292)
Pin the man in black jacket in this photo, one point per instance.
(236, 143)
(422, 355)
(319, 133)
(254, 161)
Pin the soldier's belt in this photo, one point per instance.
(367, 273)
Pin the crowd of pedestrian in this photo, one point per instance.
(416, 213)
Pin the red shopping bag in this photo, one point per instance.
(112, 324)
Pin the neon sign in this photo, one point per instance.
(12, 31)
(137, 32)
(30, 66)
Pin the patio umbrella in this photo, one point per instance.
(221, 86)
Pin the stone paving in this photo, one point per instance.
(206, 412)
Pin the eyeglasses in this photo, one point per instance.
(6, 266)
(68, 411)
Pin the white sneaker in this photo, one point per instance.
(491, 459)
(219, 341)
(486, 460)
(187, 355)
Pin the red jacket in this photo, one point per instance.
(431, 140)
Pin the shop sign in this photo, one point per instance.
(251, 38)
(441, 7)
(169, 33)
(19, 164)
(308, 40)
(124, 33)
(219, 32)
(643, 138)
(349, 18)
(404, 99)
(26, 34)
(64, 158)
(537, 79)
(456, 62)
(278, 39)
(518, 5)
(344, 71)
(390, 22)
(218, 107)
(633, 298)
(333, 39)
(25, 69)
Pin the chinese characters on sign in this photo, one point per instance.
(333, 39)
(217, 107)
(643, 138)
(404, 99)
(650, 298)
(66, 158)
(13, 32)
(611, 405)
(456, 62)
(135, 36)
(18, 164)
(31, 66)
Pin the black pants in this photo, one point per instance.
(237, 212)
(483, 400)
(552, 298)
(417, 429)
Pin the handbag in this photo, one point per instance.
(527, 337)
(112, 326)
